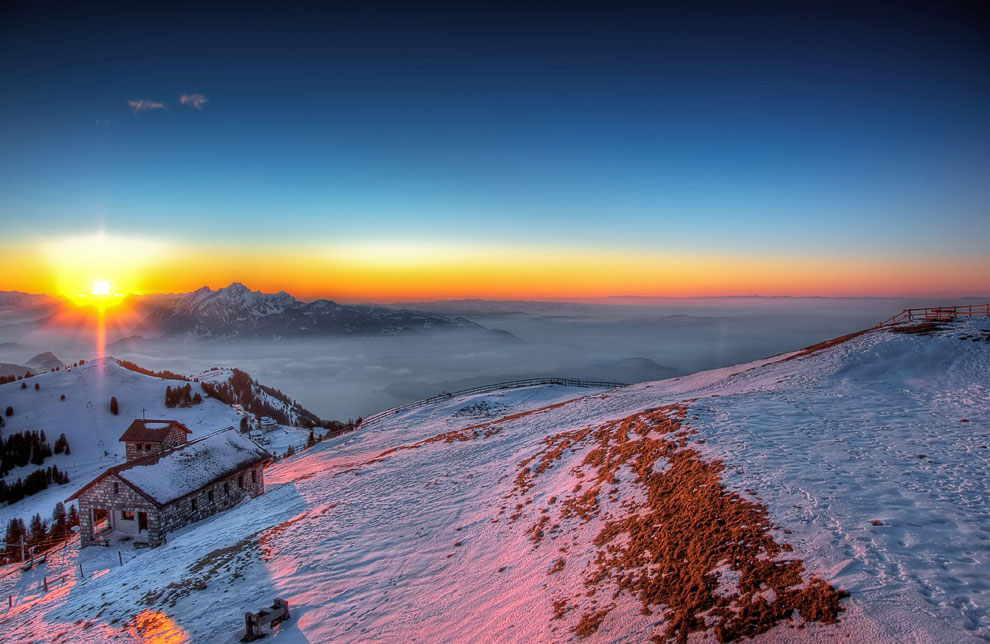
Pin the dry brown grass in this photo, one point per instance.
(667, 550)
(481, 430)
(921, 328)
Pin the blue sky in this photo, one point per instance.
(698, 126)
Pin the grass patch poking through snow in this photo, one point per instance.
(674, 535)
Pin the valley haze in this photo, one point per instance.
(366, 358)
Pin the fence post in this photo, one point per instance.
(121, 557)
(45, 581)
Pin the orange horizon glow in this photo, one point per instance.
(408, 272)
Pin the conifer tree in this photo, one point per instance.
(38, 531)
(15, 531)
(59, 519)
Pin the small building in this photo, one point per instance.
(145, 437)
(147, 497)
(268, 424)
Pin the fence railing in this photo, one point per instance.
(937, 314)
(513, 384)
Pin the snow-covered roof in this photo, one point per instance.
(165, 477)
(152, 431)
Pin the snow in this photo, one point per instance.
(92, 430)
(192, 467)
(150, 425)
(377, 536)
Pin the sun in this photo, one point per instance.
(101, 287)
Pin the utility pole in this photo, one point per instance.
(22, 547)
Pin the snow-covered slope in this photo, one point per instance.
(546, 514)
(236, 387)
(86, 420)
(93, 430)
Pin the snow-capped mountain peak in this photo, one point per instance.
(236, 310)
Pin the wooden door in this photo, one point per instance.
(142, 521)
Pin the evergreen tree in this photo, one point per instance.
(59, 519)
(114, 407)
(38, 531)
(73, 516)
(15, 530)
(16, 492)
(37, 454)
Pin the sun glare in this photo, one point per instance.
(101, 265)
(101, 287)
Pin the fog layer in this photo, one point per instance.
(618, 340)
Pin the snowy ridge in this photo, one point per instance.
(430, 526)
(236, 311)
(236, 387)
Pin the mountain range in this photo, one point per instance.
(237, 311)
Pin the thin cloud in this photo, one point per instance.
(193, 100)
(142, 105)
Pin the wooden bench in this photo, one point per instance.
(254, 623)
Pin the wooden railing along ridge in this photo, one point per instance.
(937, 314)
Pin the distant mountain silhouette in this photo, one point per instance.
(237, 311)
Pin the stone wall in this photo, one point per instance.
(181, 512)
(210, 500)
(113, 495)
(133, 452)
(174, 438)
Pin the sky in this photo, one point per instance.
(378, 152)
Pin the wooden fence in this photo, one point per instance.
(937, 314)
(513, 384)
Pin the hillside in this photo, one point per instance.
(726, 503)
(93, 430)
